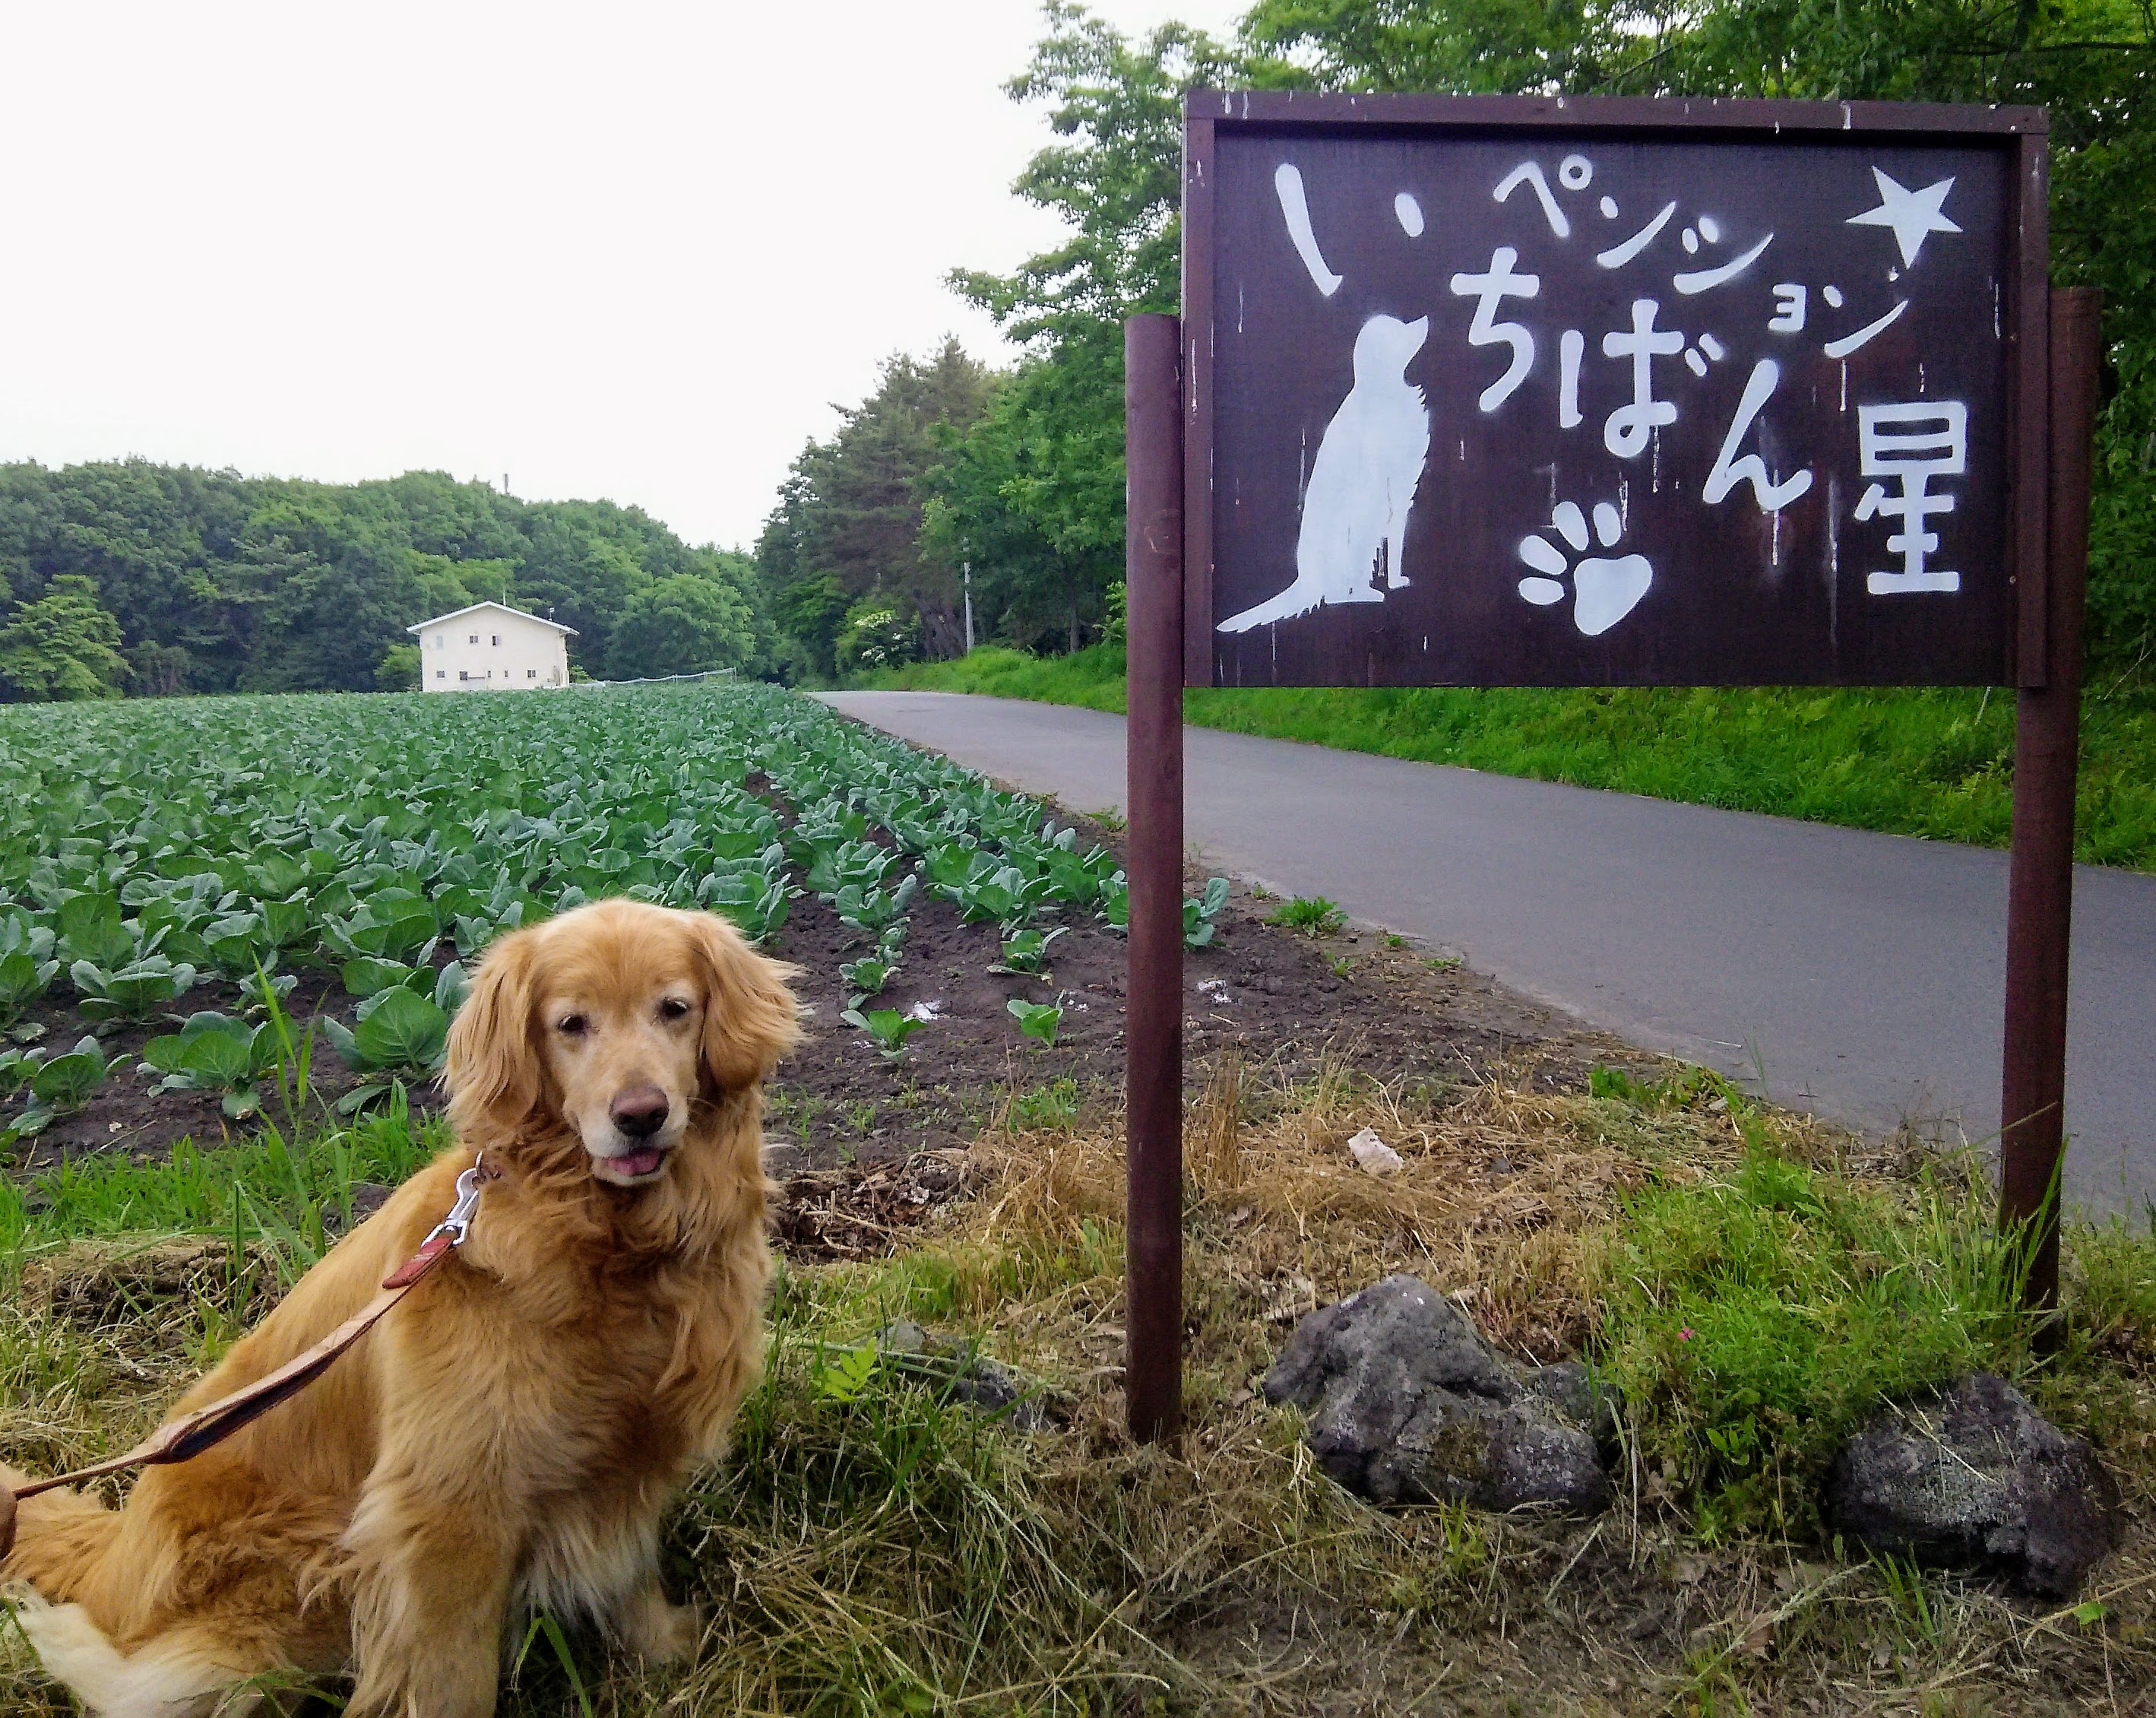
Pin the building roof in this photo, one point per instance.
(473, 608)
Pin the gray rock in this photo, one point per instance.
(1974, 1476)
(904, 1337)
(1572, 1388)
(1408, 1403)
(951, 1366)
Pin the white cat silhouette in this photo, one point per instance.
(1355, 512)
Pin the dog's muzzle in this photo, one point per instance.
(638, 1115)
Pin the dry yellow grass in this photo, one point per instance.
(1502, 1190)
(871, 1550)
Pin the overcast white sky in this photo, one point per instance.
(631, 251)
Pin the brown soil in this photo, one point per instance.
(128, 1115)
(1277, 996)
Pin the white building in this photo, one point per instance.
(492, 647)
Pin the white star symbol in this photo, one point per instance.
(1911, 213)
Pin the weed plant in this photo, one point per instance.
(1314, 915)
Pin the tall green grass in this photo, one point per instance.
(1756, 1318)
(1934, 763)
(1756, 1323)
(294, 1189)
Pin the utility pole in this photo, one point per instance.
(968, 566)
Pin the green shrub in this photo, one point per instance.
(1755, 1321)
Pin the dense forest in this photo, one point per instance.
(1020, 473)
(157, 579)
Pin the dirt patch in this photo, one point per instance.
(862, 1210)
(1272, 995)
(127, 1114)
(117, 1285)
(1292, 1001)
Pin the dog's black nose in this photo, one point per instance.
(639, 1112)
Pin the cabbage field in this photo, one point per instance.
(177, 866)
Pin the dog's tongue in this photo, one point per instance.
(639, 1163)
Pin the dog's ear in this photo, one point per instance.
(750, 1020)
(494, 1071)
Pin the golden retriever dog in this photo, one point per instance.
(510, 1436)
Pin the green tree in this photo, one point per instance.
(160, 671)
(63, 645)
(1032, 498)
(848, 525)
(684, 624)
(584, 563)
(1033, 495)
(1116, 181)
(220, 582)
(399, 669)
(1458, 46)
(873, 636)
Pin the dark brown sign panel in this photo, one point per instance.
(1495, 391)
(1491, 392)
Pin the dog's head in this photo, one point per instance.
(615, 1022)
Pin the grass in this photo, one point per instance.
(1936, 763)
(871, 1546)
(1314, 915)
(1756, 1320)
(283, 1191)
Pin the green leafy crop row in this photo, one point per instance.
(156, 854)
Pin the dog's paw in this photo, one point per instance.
(1604, 589)
(653, 1629)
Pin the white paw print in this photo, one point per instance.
(1603, 590)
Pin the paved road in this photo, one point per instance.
(1863, 973)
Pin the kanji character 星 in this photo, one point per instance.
(1914, 442)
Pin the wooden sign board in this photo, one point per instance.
(1490, 391)
(1521, 392)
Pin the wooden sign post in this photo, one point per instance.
(1498, 391)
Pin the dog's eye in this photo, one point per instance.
(672, 1008)
(573, 1025)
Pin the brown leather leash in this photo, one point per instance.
(207, 1427)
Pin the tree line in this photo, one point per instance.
(151, 578)
(136, 577)
(1019, 472)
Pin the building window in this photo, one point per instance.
(530, 673)
(475, 638)
(497, 639)
(441, 674)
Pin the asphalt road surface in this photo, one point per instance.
(1861, 975)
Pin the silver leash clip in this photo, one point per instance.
(458, 1223)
